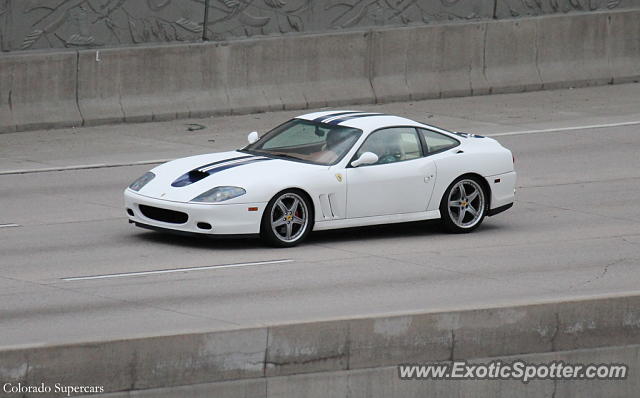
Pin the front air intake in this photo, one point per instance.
(164, 215)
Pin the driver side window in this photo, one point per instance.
(394, 144)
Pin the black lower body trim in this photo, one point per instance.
(498, 210)
(192, 234)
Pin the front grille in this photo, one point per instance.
(164, 215)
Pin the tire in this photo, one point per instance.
(473, 205)
(287, 219)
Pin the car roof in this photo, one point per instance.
(366, 121)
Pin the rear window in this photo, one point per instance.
(437, 142)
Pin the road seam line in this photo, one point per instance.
(9, 225)
(561, 129)
(84, 167)
(174, 270)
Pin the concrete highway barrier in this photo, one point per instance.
(512, 65)
(38, 90)
(624, 47)
(350, 357)
(151, 83)
(161, 82)
(586, 62)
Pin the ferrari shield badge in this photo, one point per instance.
(339, 177)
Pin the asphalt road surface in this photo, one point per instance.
(67, 251)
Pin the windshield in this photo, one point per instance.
(307, 141)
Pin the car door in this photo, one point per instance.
(400, 182)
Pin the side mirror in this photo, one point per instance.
(253, 137)
(364, 159)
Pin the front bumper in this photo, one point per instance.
(223, 219)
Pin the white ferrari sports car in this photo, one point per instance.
(328, 170)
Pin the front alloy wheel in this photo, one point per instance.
(463, 206)
(287, 219)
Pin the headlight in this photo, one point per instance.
(219, 194)
(142, 181)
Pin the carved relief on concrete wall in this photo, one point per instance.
(33, 24)
(233, 18)
(36, 24)
(518, 8)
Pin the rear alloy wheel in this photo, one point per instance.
(287, 219)
(463, 205)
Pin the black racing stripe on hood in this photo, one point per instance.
(198, 174)
(225, 161)
(231, 166)
(325, 117)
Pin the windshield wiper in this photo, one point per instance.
(285, 156)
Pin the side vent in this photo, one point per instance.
(330, 206)
(333, 204)
(326, 207)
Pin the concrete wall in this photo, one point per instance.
(384, 382)
(38, 91)
(46, 90)
(351, 357)
(99, 23)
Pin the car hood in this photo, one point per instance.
(182, 180)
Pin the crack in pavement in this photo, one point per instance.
(599, 276)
